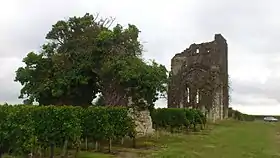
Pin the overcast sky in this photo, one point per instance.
(252, 30)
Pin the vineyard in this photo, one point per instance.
(237, 115)
(82, 58)
(39, 130)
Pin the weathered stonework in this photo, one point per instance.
(143, 122)
(142, 119)
(199, 78)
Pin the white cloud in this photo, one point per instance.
(168, 27)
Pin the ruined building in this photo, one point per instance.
(199, 78)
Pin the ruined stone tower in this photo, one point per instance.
(199, 78)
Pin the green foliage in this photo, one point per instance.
(84, 56)
(240, 116)
(120, 124)
(167, 117)
(101, 123)
(56, 124)
(140, 80)
(24, 128)
(16, 132)
(195, 117)
(176, 118)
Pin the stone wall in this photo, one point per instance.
(191, 68)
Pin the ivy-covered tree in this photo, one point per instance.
(85, 56)
(137, 79)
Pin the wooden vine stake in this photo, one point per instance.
(110, 145)
(39, 151)
(134, 142)
(86, 143)
(65, 151)
(45, 152)
(52, 150)
(77, 149)
(96, 145)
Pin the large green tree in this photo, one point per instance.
(84, 56)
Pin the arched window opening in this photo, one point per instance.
(197, 96)
(188, 96)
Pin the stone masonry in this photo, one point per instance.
(199, 79)
(142, 119)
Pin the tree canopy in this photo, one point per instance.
(84, 56)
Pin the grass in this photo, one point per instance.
(230, 139)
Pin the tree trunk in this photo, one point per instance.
(114, 95)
